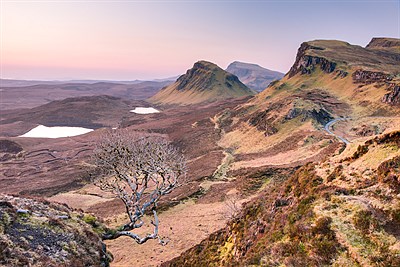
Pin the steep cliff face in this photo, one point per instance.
(373, 70)
(380, 79)
(306, 63)
(381, 55)
(383, 42)
(205, 82)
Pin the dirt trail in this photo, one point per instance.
(185, 225)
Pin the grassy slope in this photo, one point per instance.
(348, 56)
(193, 91)
(339, 96)
(338, 211)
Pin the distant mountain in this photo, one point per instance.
(20, 83)
(173, 78)
(39, 94)
(253, 75)
(205, 82)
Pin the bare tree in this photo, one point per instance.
(139, 170)
(233, 207)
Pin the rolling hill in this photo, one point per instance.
(340, 207)
(85, 111)
(329, 79)
(205, 82)
(39, 94)
(253, 75)
(342, 212)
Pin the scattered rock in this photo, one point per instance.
(32, 240)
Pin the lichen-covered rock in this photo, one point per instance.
(40, 233)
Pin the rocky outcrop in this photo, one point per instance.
(383, 43)
(263, 123)
(9, 149)
(392, 98)
(321, 116)
(306, 64)
(341, 73)
(367, 130)
(201, 72)
(8, 146)
(381, 55)
(367, 77)
(39, 233)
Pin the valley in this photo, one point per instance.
(310, 165)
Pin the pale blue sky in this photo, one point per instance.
(154, 39)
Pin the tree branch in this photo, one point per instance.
(139, 170)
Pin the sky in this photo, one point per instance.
(128, 40)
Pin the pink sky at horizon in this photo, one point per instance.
(128, 40)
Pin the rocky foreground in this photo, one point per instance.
(39, 233)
